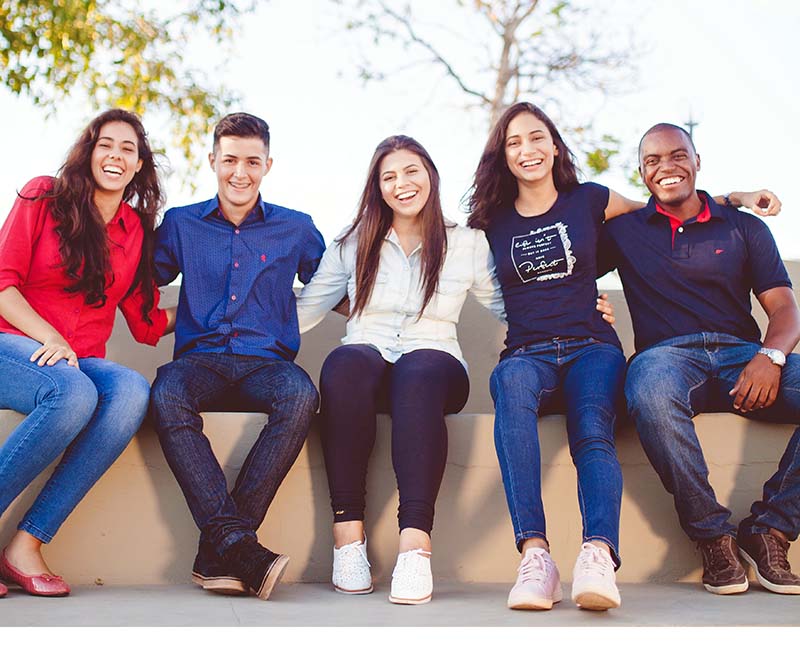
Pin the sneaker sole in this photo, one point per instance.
(410, 601)
(353, 592)
(225, 585)
(272, 577)
(728, 590)
(771, 586)
(536, 604)
(595, 602)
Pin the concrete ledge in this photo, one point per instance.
(134, 526)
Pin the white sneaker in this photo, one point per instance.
(538, 583)
(351, 573)
(412, 581)
(594, 585)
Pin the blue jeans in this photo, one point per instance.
(210, 381)
(584, 378)
(676, 379)
(90, 414)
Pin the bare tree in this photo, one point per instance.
(540, 50)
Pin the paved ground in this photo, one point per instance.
(453, 605)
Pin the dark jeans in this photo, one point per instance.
(671, 382)
(584, 378)
(417, 390)
(226, 382)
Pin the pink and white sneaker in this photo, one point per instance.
(538, 583)
(594, 585)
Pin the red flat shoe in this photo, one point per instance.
(41, 585)
(3, 590)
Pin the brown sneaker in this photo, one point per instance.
(767, 554)
(723, 573)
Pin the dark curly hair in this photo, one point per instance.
(80, 227)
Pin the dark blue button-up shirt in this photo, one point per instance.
(699, 283)
(236, 293)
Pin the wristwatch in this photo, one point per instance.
(776, 356)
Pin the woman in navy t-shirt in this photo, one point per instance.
(561, 355)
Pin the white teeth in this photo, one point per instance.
(531, 163)
(113, 169)
(406, 195)
(670, 181)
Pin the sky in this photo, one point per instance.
(729, 64)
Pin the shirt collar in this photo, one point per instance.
(211, 208)
(123, 212)
(710, 209)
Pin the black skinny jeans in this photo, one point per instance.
(417, 391)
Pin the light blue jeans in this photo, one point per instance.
(674, 380)
(583, 378)
(88, 414)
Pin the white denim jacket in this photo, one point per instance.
(389, 321)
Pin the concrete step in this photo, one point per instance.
(134, 526)
(454, 604)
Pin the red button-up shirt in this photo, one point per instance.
(30, 260)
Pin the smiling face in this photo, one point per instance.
(115, 157)
(240, 165)
(529, 148)
(669, 165)
(404, 183)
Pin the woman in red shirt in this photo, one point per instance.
(72, 249)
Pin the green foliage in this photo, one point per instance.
(119, 53)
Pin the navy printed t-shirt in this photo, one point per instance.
(547, 267)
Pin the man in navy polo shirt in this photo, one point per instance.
(688, 267)
(236, 337)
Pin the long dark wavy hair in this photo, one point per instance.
(374, 218)
(80, 227)
(494, 186)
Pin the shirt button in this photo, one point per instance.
(680, 229)
(233, 297)
(235, 334)
(236, 265)
(77, 310)
(236, 231)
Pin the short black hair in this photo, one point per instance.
(666, 126)
(241, 125)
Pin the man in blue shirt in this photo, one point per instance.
(236, 337)
(688, 267)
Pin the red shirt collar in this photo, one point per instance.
(703, 216)
(675, 223)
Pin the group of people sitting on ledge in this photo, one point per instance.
(76, 246)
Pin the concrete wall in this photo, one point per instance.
(134, 527)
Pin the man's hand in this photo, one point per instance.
(606, 308)
(53, 350)
(757, 385)
(762, 202)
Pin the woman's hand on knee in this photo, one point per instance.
(54, 348)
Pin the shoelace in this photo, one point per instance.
(356, 546)
(715, 551)
(533, 568)
(593, 558)
(414, 558)
(777, 552)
